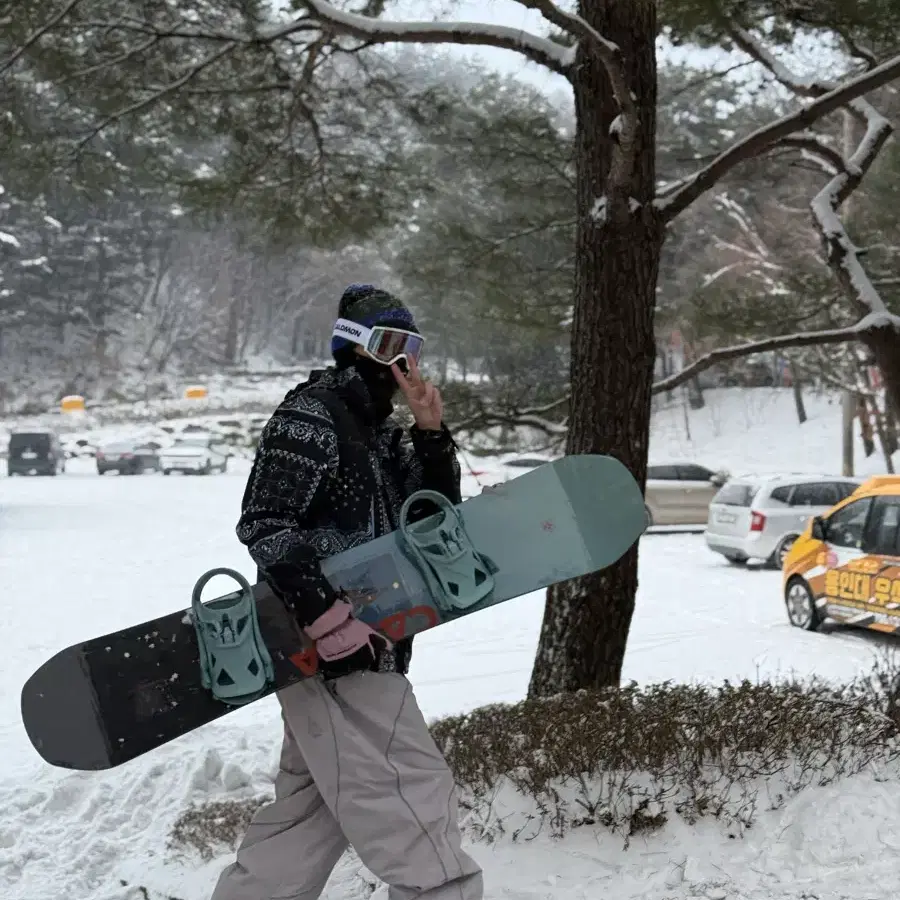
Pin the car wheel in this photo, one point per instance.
(781, 551)
(167, 471)
(801, 606)
(736, 560)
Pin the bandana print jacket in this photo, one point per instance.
(318, 487)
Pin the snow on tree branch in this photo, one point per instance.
(538, 49)
(677, 197)
(846, 175)
(609, 52)
(841, 254)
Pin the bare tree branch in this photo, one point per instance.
(812, 146)
(157, 94)
(32, 39)
(782, 342)
(538, 49)
(533, 417)
(677, 197)
(493, 246)
(115, 61)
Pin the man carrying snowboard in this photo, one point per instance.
(358, 765)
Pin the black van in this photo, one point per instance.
(35, 453)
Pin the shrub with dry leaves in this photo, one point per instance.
(630, 758)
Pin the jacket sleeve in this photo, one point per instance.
(297, 448)
(431, 463)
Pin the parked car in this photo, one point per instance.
(198, 453)
(680, 493)
(845, 565)
(35, 453)
(761, 517)
(128, 458)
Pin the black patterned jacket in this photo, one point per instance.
(306, 501)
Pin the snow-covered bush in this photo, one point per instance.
(629, 759)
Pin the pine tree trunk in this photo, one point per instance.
(586, 621)
(884, 344)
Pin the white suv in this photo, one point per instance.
(759, 517)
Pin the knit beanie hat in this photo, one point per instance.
(369, 306)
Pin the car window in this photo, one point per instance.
(782, 494)
(816, 493)
(34, 440)
(883, 530)
(662, 473)
(736, 494)
(845, 527)
(845, 488)
(694, 473)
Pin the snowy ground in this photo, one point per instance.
(81, 555)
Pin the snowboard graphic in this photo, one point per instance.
(103, 702)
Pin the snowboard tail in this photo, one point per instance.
(105, 701)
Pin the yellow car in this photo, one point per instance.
(846, 564)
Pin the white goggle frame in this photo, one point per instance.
(382, 343)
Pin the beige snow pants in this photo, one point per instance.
(358, 766)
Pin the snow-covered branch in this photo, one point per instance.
(625, 133)
(781, 342)
(677, 197)
(841, 254)
(377, 31)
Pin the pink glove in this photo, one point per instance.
(343, 643)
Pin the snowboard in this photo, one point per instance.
(100, 703)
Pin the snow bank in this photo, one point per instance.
(82, 555)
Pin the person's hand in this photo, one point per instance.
(422, 397)
(344, 644)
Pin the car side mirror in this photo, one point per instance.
(818, 528)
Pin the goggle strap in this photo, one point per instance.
(352, 331)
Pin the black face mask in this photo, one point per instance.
(381, 383)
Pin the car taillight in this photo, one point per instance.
(127, 456)
(99, 454)
(757, 521)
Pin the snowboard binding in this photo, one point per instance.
(458, 576)
(234, 662)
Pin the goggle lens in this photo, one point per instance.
(387, 345)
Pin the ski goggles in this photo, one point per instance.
(382, 343)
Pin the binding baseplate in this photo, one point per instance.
(457, 574)
(235, 664)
